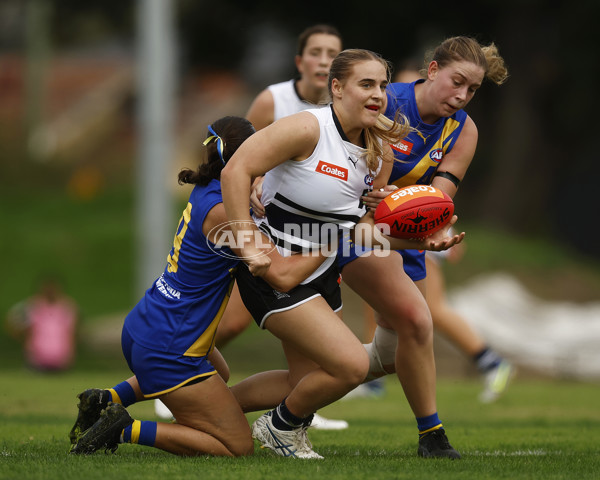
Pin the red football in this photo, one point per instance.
(416, 211)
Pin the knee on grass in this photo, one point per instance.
(241, 447)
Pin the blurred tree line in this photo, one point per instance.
(533, 171)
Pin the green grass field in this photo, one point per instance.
(540, 429)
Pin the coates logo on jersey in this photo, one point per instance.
(332, 170)
(436, 155)
(403, 147)
(369, 180)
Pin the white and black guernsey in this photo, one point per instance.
(307, 201)
(287, 100)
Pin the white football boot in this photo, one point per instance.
(292, 443)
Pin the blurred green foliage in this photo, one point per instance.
(91, 243)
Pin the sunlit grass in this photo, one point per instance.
(540, 429)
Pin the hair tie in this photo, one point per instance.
(219, 140)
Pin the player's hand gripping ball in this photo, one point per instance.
(415, 212)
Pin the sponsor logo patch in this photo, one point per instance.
(403, 147)
(332, 170)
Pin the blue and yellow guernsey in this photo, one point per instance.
(181, 311)
(419, 155)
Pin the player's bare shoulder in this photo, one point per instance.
(296, 135)
(469, 135)
(262, 110)
(305, 122)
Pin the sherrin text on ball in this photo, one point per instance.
(416, 211)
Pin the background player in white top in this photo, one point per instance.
(317, 47)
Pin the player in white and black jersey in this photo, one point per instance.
(320, 349)
(317, 46)
(316, 195)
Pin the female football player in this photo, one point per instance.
(438, 152)
(496, 371)
(168, 337)
(443, 135)
(317, 163)
(318, 45)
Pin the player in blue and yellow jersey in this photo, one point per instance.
(418, 162)
(438, 152)
(168, 337)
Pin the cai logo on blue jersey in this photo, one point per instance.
(436, 155)
(369, 180)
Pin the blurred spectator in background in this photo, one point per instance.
(46, 323)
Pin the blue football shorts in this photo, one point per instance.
(162, 372)
(413, 260)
